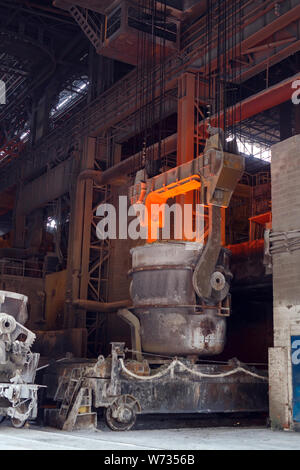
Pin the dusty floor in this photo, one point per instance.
(254, 438)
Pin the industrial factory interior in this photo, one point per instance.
(150, 225)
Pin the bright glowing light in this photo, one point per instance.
(51, 224)
(24, 135)
(73, 95)
(253, 149)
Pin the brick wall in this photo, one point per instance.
(285, 172)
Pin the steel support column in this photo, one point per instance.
(80, 222)
(185, 120)
(186, 128)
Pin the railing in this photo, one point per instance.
(18, 267)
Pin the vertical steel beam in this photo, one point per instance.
(80, 223)
(186, 128)
(87, 220)
(186, 120)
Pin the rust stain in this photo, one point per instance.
(207, 326)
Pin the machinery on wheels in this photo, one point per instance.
(18, 365)
(180, 304)
(125, 388)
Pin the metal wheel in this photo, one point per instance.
(121, 414)
(17, 423)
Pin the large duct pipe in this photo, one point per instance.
(116, 173)
(95, 175)
(168, 145)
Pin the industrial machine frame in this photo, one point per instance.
(18, 365)
(126, 388)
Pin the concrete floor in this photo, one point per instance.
(229, 438)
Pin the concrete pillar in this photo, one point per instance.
(297, 118)
(285, 118)
(285, 170)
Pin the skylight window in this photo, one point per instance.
(251, 148)
(70, 96)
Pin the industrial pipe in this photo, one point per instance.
(94, 306)
(95, 175)
(125, 166)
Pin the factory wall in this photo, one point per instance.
(285, 169)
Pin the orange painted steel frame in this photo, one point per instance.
(252, 245)
(186, 126)
(160, 197)
(155, 205)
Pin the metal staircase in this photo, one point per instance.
(88, 25)
(76, 408)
